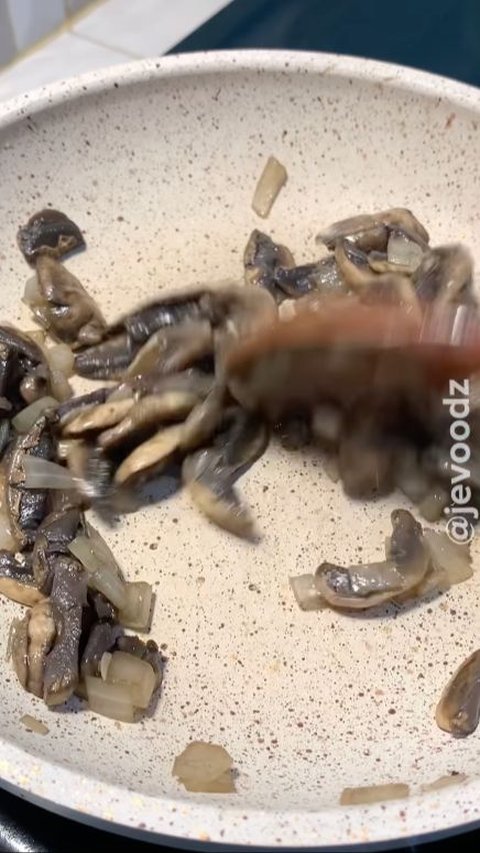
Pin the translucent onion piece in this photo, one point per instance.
(135, 674)
(60, 357)
(102, 551)
(28, 416)
(137, 611)
(103, 575)
(445, 782)
(42, 474)
(110, 700)
(204, 767)
(306, 594)
(330, 466)
(373, 794)
(403, 251)
(271, 181)
(432, 506)
(105, 664)
(34, 725)
(449, 558)
(7, 541)
(32, 294)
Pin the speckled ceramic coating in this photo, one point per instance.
(157, 161)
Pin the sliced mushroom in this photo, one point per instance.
(53, 537)
(92, 469)
(71, 408)
(236, 313)
(18, 648)
(294, 432)
(210, 474)
(368, 585)
(151, 456)
(64, 307)
(27, 507)
(263, 259)
(174, 348)
(49, 232)
(17, 581)
(394, 218)
(323, 276)
(204, 419)
(68, 597)
(100, 417)
(171, 310)
(458, 710)
(445, 274)
(147, 416)
(41, 633)
(108, 360)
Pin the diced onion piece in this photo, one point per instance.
(137, 611)
(30, 414)
(43, 474)
(135, 674)
(306, 594)
(204, 767)
(102, 551)
(271, 181)
(403, 251)
(34, 725)
(32, 294)
(37, 335)
(103, 575)
(449, 558)
(432, 507)
(61, 358)
(104, 664)
(109, 700)
(330, 466)
(373, 794)
(445, 782)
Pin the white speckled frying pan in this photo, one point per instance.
(157, 161)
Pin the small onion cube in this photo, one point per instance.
(373, 794)
(137, 611)
(306, 593)
(271, 181)
(204, 767)
(103, 576)
(110, 700)
(135, 674)
(449, 558)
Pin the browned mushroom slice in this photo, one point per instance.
(108, 360)
(368, 585)
(17, 580)
(204, 419)
(170, 310)
(174, 348)
(54, 536)
(262, 259)
(210, 474)
(71, 408)
(396, 217)
(49, 232)
(99, 417)
(146, 416)
(27, 507)
(30, 641)
(150, 456)
(65, 308)
(235, 313)
(68, 597)
(323, 276)
(211, 489)
(445, 275)
(458, 710)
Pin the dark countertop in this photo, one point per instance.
(442, 36)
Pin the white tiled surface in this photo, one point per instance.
(146, 27)
(114, 31)
(64, 56)
(33, 19)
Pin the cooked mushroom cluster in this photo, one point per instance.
(336, 353)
